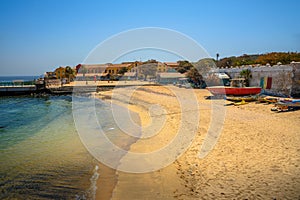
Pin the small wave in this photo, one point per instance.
(93, 187)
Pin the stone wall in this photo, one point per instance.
(285, 78)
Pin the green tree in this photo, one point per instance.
(148, 69)
(205, 65)
(194, 75)
(70, 73)
(123, 70)
(275, 57)
(184, 66)
(247, 75)
(83, 70)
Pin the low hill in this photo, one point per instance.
(271, 58)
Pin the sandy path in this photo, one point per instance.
(257, 155)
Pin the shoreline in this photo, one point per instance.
(108, 177)
(140, 106)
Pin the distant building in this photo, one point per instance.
(115, 68)
(108, 68)
(60, 73)
(50, 75)
(167, 78)
(130, 76)
(161, 67)
(275, 80)
(171, 66)
(100, 71)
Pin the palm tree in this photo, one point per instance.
(70, 73)
(247, 75)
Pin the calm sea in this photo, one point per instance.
(41, 154)
(12, 78)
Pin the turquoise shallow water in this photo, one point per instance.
(41, 154)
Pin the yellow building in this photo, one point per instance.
(60, 73)
(161, 67)
(114, 69)
(109, 68)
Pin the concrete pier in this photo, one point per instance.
(17, 90)
(77, 87)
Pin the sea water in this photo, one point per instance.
(41, 155)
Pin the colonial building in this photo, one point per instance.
(171, 66)
(112, 69)
(167, 78)
(60, 73)
(130, 76)
(161, 67)
(101, 71)
(115, 68)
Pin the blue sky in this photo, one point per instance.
(40, 35)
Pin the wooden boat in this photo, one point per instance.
(236, 91)
(273, 99)
(290, 101)
(286, 104)
(242, 98)
(268, 99)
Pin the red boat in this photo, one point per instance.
(237, 91)
(236, 88)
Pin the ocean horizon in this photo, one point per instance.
(23, 78)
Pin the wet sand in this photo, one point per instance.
(257, 155)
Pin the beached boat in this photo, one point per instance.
(242, 98)
(237, 88)
(287, 104)
(274, 99)
(267, 99)
(236, 91)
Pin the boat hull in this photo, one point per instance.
(220, 90)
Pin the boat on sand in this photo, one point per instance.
(237, 88)
(235, 91)
(242, 98)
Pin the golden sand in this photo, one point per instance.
(256, 157)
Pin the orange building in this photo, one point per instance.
(60, 73)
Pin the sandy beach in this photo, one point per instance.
(257, 155)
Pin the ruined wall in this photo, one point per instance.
(285, 78)
(296, 80)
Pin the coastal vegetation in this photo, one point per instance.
(184, 66)
(70, 73)
(123, 70)
(262, 59)
(246, 74)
